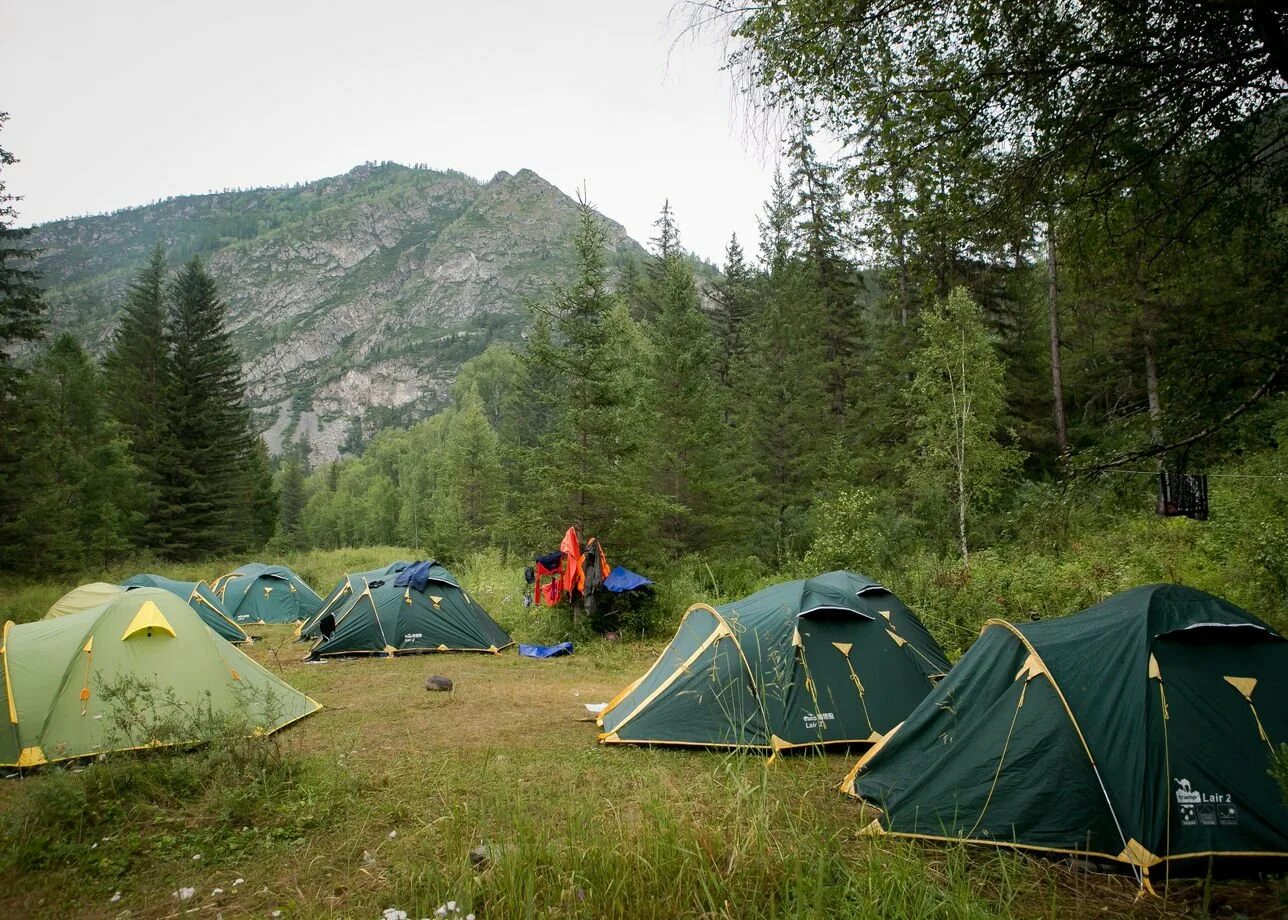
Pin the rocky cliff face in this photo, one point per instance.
(353, 299)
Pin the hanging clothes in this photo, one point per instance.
(1183, 495)
(574, 579)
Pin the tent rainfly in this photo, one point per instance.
(835, 659)
(348, 587)
(1139, 730)
(199, 597)
(54, 699)
(78, 600)
(258, 593)
(421, 609)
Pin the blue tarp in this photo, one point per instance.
(546, 651)
(620, 579)
(419, 574)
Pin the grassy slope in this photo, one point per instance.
(579, 830)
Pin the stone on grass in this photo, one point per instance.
(436, 682)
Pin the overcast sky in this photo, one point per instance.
(120, 103)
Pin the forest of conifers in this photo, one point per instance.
(1042, 260)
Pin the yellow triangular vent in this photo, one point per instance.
(1031, 668)
(1244, 685)
(268, 591)
(886, 614)
(843, 647)
(438, 601)
(89, 646)
(1154, 671)
(898, 639)
(31, 757)
(148, 618)
(1137, 855)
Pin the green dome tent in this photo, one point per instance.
(78, 600)
(351, 585)
(830, 660)
(53, 700)
(1139, 730)
(429, 612)
(258, 593)
(199, 597)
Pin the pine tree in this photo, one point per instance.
(216, 479)
(140, 389)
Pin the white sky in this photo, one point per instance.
(120, 102)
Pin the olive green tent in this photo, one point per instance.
(108, 678)
(835, 659)
(1139, 730)
(200, 598)
(83, 598)
(431, 613)
(345, 589)
(258, 593)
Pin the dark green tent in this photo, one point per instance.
(200, 598)
(388, 619)
(258, 593)
(830, 660)
(345, 589)
(1139, 730)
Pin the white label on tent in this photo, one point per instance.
(815, 719)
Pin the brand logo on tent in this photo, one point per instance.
(412, 637)
(815, 719)
(1206, 808)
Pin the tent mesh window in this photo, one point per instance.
(1183, 495)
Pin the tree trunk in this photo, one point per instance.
(1148, 321)
(1057, 373)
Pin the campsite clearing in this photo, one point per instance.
(396, 786)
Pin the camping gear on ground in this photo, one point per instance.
(78, 600)
(67, 680)
(200, 598)
(351, 585)
(829, 660)
(620, 580)
(1139, 730)
(258, 593)
(388, 618)
(546, 651)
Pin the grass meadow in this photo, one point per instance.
(496, 796)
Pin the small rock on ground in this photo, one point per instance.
(436, 682)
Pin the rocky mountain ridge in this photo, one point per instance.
(354, 299)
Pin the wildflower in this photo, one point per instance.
(116, 897)
(393, 834)
(451, 906)
(240, 881)
(196, 857)
(184, 894)
(217, 891)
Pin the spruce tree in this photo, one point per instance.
(472, 474)
(574, 470)
(216, 479)
(820, 220)
(21, 323)
(140, 392)
(733, 298)
(781, 399)
(81, 492)
(688, 456)
(291, 501)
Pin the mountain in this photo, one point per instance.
(353, 299)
